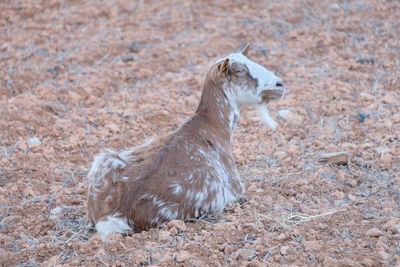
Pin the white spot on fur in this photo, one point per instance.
(144, 196)
(189, 194)
(218, 185)
(177, 189)
(170, 212)
(110, 160)
(112, 225)
(155, 220)
(157, 202)
(189, 178)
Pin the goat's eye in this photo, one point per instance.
(240, 72)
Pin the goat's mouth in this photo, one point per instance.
(271, 94)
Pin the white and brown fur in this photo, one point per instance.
(190, 172)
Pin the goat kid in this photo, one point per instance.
(191, 172)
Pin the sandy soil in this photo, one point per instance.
(78, 76)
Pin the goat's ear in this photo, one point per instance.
(222, 67)
(244, 48)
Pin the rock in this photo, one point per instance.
(312, 246)
(4, 201)
(256, 264)
(33, 142)
(389, 98)
(393, 225)
(127, 58)
(367, 262)
(115, 237)
(134, 47)
(334, 7)
(237, 152)
(361, 163)
(183, 256)
(386, 159)
(165, 236)
(396, 118)
(53, 261)
(339, 195)
(196, 263)
(112, 127)
(166, 260)
(374, 232)
(164, 112)
(228, 249)
(173, 231)
(256, 172)
(252, 188)
(339, 158)
(245, 254)
(282, 237)
(290, 116)
(365, 60)
(55, 213)
(95, 239)
(381, 150)
(284, 250)
(329, 261)
(362, 116)
(383, 255)
(178, 224)
(367, 97)
(81, 188)
(11, 220)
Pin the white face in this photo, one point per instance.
(251, 84)
(266, 80)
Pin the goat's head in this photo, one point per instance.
(248, 83)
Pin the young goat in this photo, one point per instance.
(191, 172)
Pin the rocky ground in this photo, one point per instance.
(78, 76)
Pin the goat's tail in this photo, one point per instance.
(103, 176)
(104, 163)
(107, 178)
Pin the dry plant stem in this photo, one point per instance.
(34, 239)
(289, 220)
(282, 178)
(102, 261)
(74, 235)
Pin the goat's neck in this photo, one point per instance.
(218, 109)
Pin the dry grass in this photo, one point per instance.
(282, 220)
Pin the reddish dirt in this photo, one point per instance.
(78, 76)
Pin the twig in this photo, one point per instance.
(282, 178)
(34, 239)
(102, 261)
(77, 233)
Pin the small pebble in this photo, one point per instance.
(374, 232)
(134, 47)
(33, 142)
(127, 59)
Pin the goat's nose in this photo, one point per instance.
(279, 84)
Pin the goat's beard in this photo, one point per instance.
(262, 110)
